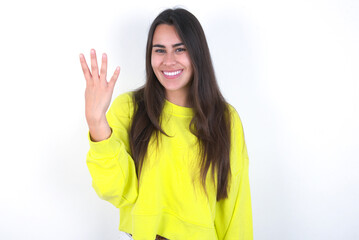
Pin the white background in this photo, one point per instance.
(290, 68)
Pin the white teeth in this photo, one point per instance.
(172, 73)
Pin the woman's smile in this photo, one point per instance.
(172, 74)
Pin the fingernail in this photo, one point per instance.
(104, 55)
(92, 51)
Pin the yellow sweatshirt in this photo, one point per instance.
(170, 200)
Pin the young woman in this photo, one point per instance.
(170, 155)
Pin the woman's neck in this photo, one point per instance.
(177, 98)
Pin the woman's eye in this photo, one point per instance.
(159, 50)
(180, 49)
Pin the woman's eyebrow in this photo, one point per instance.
(162, 46)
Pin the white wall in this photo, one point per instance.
(289, 67)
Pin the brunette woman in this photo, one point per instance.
(170, 155)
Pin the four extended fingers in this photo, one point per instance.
(103, 74)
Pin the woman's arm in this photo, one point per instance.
(109, 160)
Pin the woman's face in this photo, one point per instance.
(171, 63)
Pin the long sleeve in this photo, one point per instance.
(109, 161)
(233, 220)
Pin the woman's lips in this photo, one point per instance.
(172, 74)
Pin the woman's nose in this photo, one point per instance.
(169, 59)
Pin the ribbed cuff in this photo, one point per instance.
(105, 148)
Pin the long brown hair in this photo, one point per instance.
(211, 121)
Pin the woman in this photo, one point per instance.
(170, 155)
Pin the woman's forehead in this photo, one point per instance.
(166, 35)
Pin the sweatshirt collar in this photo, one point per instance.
(174, 109)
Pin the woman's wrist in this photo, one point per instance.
(100, 131)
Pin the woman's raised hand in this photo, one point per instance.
(98, 95)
